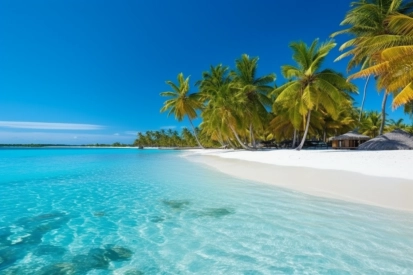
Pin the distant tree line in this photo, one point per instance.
(173, 138)
(116, 144)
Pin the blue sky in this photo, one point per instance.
(77, 72)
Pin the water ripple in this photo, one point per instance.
(140, 212)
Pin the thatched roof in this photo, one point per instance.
(352, 135)
(396, 140)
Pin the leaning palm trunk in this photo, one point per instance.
(220, 140)
(238, 139)
(252, 136)
(195, 135)
(383, 113)
(231, 144)
(364, 97)
(294, 138)
(305, 132)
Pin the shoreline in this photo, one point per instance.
(342, 184)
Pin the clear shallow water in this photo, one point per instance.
(121, 211)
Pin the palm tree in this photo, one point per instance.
(253, 92)
(370, 123)
(188, 137)
(223, 115)
(310, 87)
(211, 86)
(396, 124)
(368, 23)
(392, 65)
(286, 120)
(393, 68)
(182, 104)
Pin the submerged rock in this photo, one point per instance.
(34, 237)
(176, 204)
(133, 272)
(99, 258)
(216, 212)
(117, 253)
(39, 225)
(95, 259)
(42, 250)
(99, 214)
(9, 255)
(156, 219)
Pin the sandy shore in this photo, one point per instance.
(380, 178)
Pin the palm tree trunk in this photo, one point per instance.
(305, 132)
(196, 137)
(238, 139)
(220, 140)
(294, 138)
(252, 136)
(364, 97)
(383, 113)
(231, 144)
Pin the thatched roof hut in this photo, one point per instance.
(395, 140)
(350, 140)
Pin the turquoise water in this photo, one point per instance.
(125, 211)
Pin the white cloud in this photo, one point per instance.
(116, 134)
(49, 125)
(168, 127)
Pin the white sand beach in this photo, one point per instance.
(380, 178)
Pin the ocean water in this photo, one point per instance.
(127, 211)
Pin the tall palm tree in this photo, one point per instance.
(392, 66)
(223, 115)
(369, 26)
(227, 110)
(182, 103)
(213, 87)
(394, 72)
(253, 91)
(310, 87)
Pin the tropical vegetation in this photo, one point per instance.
(239, 106)
(381, 36)
(171, 138)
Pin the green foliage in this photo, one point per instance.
(370, 123)
(234, 104)
(170, 138)
(310, 90)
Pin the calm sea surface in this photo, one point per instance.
(126, 211)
